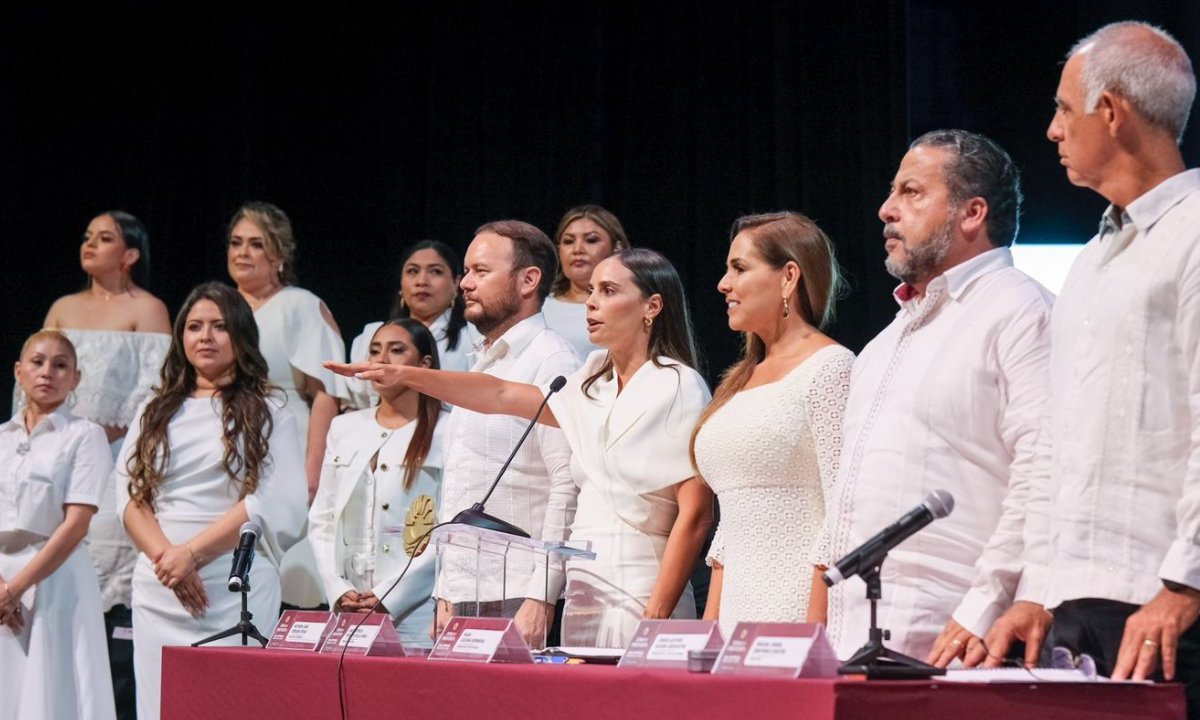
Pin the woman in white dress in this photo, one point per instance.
(586, 235)
(53, 465)
(210, 450)
(768, 444)
(628, 415)
(383, 469)
(296, 332)
(429, 275)
(121, 334)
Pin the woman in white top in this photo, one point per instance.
(53, 659)
(627, 415)
(209, 451)
(383, 470)
(586, 235)
(295, 333)
(121, 334)
(429, 275)
(768, 444)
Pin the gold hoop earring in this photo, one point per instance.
(786, 312)
(647, 322)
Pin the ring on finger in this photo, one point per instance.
(1149, 643)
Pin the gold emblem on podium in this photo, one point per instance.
(417, 522)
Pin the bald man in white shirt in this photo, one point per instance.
(1114, 516)
(949, 396)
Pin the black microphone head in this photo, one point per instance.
(940, 503)
(557, 384)
(250, 527)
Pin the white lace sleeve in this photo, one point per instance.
(716, 550)
(827, 397)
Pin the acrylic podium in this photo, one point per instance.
(494, 559)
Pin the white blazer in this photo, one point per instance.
(354, 438)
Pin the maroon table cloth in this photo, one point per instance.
(216, 683)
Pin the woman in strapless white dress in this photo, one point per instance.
(121, 333)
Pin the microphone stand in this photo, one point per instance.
(875, 660)
(245, 626)
(474, 515)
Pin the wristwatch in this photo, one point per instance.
(1178, 587)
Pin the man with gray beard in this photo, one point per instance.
(949, 396)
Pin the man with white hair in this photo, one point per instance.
(1113, 521)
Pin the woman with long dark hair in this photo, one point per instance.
(628, 415)
(383, 469)
(121, 333)
(769, 443)
(429, 274)
(211, 449)
(53, 661)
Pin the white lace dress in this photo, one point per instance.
(771, 454)
(117, 372)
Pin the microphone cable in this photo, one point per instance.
(341, 674)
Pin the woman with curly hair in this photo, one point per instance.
(210, 450)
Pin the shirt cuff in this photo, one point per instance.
(1182, 564)
(977, 612)
(1032, 586)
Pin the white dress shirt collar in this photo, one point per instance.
(1145, 211)
(954, 282)
(513, 341)
(59, 418)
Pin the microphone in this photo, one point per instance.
(474, 515)
(937, 504)
(243, 558)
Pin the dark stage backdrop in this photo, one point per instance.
(376, 127)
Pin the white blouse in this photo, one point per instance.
(295, 339)
(64, 461)
(197, 490)
(570, 320)
(635, 444)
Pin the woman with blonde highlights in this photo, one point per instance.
(296, 332)
(768, 445)
(210, 450)
(53, 659)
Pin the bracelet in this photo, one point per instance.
(195, 558)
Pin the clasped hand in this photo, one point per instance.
(10, 608)
(176, 568)
(352, 601)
